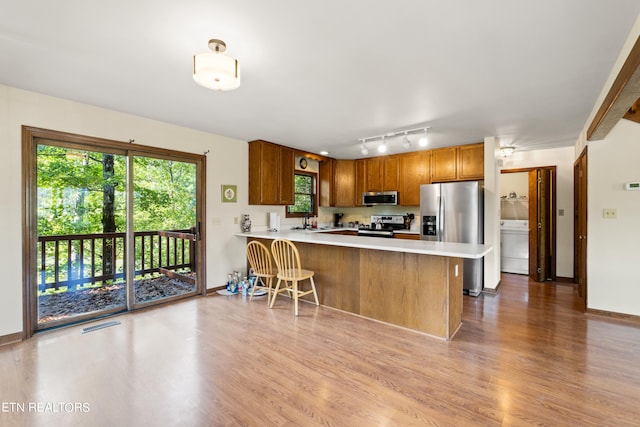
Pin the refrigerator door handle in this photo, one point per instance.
(440, 218)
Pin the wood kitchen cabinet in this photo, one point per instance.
(414, 171)
(471, 162)
(382, 173)
(444, 164)
(325, 175)
(361, 181)
(271, 174)
(344, 180)
(462, 163)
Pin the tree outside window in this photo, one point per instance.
(305, 200)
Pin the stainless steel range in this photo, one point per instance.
(382, 226)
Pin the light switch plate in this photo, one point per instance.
(609, 213)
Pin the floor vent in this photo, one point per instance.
(100, 326)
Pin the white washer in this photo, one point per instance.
(514, 250)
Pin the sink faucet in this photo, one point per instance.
(305, 224)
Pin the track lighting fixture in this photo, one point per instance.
(406, 144)
(382, 148)
(384, 145)
(364, 151)
(424, 141)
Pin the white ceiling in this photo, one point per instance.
(323, 74)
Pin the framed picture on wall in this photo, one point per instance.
(229, 193)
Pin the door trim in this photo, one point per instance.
(553, 231)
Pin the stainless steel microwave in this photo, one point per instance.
(380, 198)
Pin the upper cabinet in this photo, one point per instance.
(325, 175)
(462, 163)
(444, 164)
(344, 180)
(382, 173)
(414, 171)
(471, 162)
(271, 174)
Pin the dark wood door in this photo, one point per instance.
(540, 224)
(580, 230)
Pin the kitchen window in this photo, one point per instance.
(305, 191)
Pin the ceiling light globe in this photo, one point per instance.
(215, 70)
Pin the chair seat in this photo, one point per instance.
(295, 274)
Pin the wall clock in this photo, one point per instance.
(303, 163)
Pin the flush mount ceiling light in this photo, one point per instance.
(215, 70)
(507, 150)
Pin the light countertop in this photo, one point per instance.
(462, 250)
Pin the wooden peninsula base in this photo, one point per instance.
(416, 291)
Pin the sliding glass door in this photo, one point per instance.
(81, 239)
(165, 229)
(108, 227)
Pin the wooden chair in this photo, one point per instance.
(260, 261)
(287, 260)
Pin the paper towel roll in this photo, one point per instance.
(274, 221)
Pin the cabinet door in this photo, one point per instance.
(471, 161)
(269, 159)
(344, 180)
(361, 181)
(326, 183)
(374, 174)
(414, 171)
(444, 164)
(286, 178)
(391, 173)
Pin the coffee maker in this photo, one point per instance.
(337, 219)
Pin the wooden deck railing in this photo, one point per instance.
(78, 259)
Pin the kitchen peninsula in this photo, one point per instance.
(410, 283)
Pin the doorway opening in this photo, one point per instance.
(528, 225)
(108, 227)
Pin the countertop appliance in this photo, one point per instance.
(337, 219)
(454, 212)
(382, 226)
(375, 198)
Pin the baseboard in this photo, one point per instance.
(11, 338)
(565, 280)
(493, 291)
(612, 314)
(215, 289)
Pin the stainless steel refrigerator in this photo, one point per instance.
(454, 212)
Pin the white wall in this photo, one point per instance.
(491, 212)
(613, 245)
(563, 159)
(227, 163)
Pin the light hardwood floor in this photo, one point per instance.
(525, 356)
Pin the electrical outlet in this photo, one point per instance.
(560, 212)
(609, 213)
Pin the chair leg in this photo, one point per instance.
(275, 293)
(315, 294)
(255, 285)
(269, 284)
